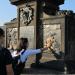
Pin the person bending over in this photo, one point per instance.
(21, 54)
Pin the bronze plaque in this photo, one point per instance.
(52, 30)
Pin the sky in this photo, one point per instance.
(8, 11)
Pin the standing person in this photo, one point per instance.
(5, 58)
(20, 56)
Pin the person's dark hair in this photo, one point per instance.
(22, 44)
(1, 32)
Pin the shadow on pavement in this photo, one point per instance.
(51, 67)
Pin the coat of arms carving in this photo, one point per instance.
(26, 15)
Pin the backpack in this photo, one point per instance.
(18, 67)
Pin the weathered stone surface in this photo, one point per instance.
(28, 32)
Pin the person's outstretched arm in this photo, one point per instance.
(43, 49)
(31, 52)
(35, 51)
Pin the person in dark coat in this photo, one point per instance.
(5, 57)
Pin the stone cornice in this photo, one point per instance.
(17, 2)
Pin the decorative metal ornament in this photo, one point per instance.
(26, 15)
